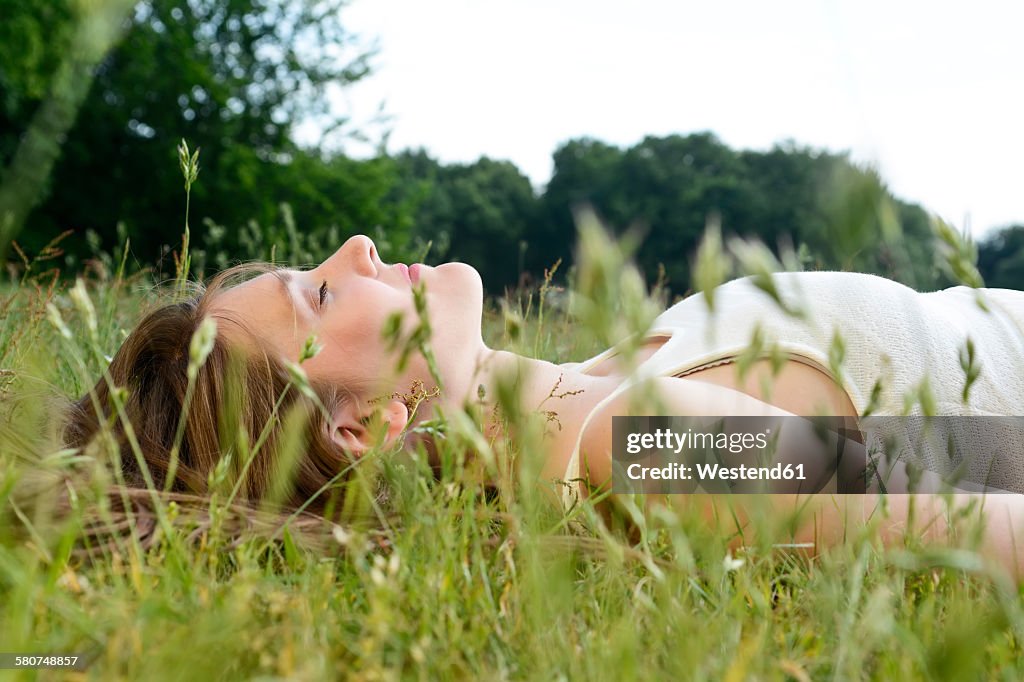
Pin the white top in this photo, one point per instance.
(893, 336)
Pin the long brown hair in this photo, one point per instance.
(240, 397)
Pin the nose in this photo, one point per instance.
(358, 254)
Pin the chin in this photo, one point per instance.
(462, 276)
(459, 292)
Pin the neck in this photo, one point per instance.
(521, 385)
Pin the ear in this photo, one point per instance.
(357, 428)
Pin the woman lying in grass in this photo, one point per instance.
(360, 389)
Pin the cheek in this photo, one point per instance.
(376, 331)
(356, 360)
(354, 344)
(368, 305)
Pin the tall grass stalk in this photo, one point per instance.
(188, 163)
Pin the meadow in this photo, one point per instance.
(436, 579)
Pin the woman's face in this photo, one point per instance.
(347, 301)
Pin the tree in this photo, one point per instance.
(670, 186)
(47, 56)
(34, 35)
(480, 213)
(234, 77)
(1001, 258)
(585, 172)
(674, 184)
(493, 206)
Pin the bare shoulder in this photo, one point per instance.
(796, 386)
(661, 396)
(797, 389)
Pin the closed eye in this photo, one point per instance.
(323, 294)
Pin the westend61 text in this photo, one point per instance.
(734, 454)
(716, 472)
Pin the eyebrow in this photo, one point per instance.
(285, 279)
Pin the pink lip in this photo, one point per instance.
(414, 272)
(404, 269)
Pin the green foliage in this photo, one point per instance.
(1001, 258)
(665, 191)
(479, 213)
(31, 144)
(233, 77)
(789, 197)
(327, 202)
(33, 37)
(960, 254)
(584, 173)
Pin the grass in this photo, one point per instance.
(452, 584)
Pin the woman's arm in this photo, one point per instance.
(824, 519)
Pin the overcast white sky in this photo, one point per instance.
(930, 92)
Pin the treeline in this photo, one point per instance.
(235, 77)
(665, 190)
